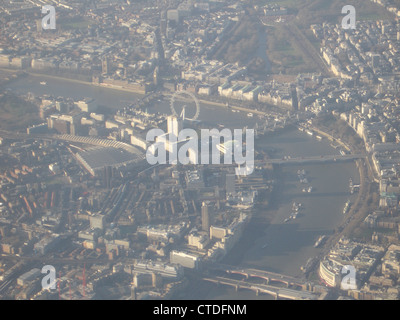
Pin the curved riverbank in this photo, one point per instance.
(131, 90)
(76, 81)
(290, 244)
(321, 213)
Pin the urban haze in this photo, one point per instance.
(109, 190)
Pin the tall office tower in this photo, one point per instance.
(163, 22)
(375, 60)
(156, 76)
(205, 217)
(39, 27)
(133, 293)
(174, 125)
(230, 184)
(105, 65)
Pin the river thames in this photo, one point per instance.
(290, 244)
(268, 243)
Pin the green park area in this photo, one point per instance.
(241, 43)
(74, 23)
(310, 12)
(16, 113)
(291, 46)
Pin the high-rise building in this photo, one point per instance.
(87, 105)
(163, 23)
(230, 184)
(62, 107)
(105, 65)
(205, 217)
(39, 27)
(156, 77)
(157, 280)
(375, 61)
(133, 293)
(186, 260)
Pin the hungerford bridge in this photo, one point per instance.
(316, 159)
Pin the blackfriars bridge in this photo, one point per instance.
(295, 288)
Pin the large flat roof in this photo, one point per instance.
(100, 157)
